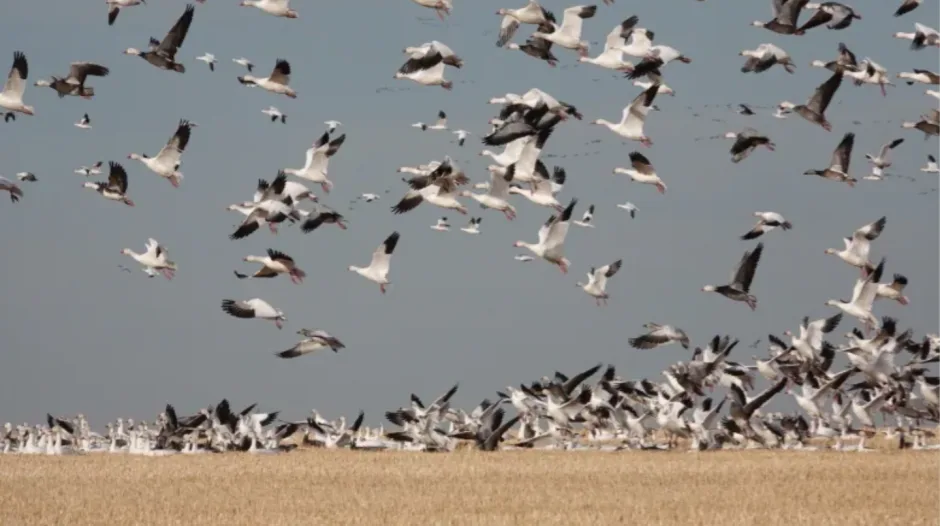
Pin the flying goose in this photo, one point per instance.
(907, 6)
(740, 286)
(786, 15)
(834, 14)
(269, 211)
(280, 187)
(497, 194)
(658, 335)
(630, 208)
(634, 116)
(767, 221)
(441, 123)
(439, 189)
(154, 259)
(448, 56)
(427, 71)
(523, 258)
(328, 217)
(209, 59)
(279, 8)
(925, 124)
(242, 61)
(657, 57)
(332, 125)
(273, 264)
(314, 341)
(815, 108)
(870, 72)
(461, 136)
(7, 185)
(27, 176)
(541, 191)
(596, 285)
(642, 171)
(115, 189)
(551, 244)
(746, 141)
(539, 48)
(84, 123)
(275, 114)
(473, 227)
(931, 166)
(744, 109)
(276, 82)
(74, 83)
(377, 271)
(568, 34)
(163, 54)
(317, 161)
(586, 220)
(612, 56)
(370, 197)
(531, 13)
(114, 7)
(894, 290)
(838, 169)
(95, 169)
(880, 162)
(924, 76)
(442, 225)
(922, 36)
(11, 98)
(166, 163)
(863, 296)
(765, 57)
(254, 308)
(441, 7)
(524, 124)
(858, 246)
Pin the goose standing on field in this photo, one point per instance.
(95, 169)
(275, 114)
(786, 15)
(629, 207)
(612, 56)
(244, 62)
(7, 185)
(642, 171)
(767, 221)
(931, 166)
(316, 166)
(531, 13)
(858, 246)
(587, 219)
(922, 36)
(315, 340)
(765, 57)
(551, 244)
(74, 83)
(596, 286)
(163, 54)
(427, 71)
(328, 217)
(279, 8)
(568, 34)
(634, 117)
(84, 123)
(838, 169)
(440, 125)
(154, 259)
(166, 163)
(746, 141)
(209, 59)
(834, 14)
(449, 57)
(27, 176)
(441, 225)
(276, 82)
(740, 286)
(863, 296)
(115, 189)
(11, 98)
(894, 290)
(273, 264)
(114, 7)
(441, 7)
(923, 76)
(332, 125)
(880, 162)
(461, 136)
(378, 268)
(659, 335)
(473, 227)
(815, 108)
(254, 308)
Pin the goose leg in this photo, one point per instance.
(382, 288)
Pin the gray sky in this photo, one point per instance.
(81, 336)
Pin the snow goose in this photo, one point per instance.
(765, 57)
(880, 162)
(332, 125)
(596, 285)
(815, 108)
(427, 71)
(659, 335)
(11, 98)
(276, 82)
(863, 296)
(786, 14)
(907, 6)
(658, 57)
(272, 264)
(568, 34)
(154, 259)
(523, 258)
(551, 244)
(441, 7)
(538, 47)
(270, 212)
(209, 59)
(74, 83)
(95, 169)
(244, 62)
(663, 88)
(279, 8)
(834, 14)
(449, 57)
(254, 308)
(7, 185)
(166, 163)
(894, 290)
(441, 225)
(838, 169)
(612, 56)
(530, 123)
(281, 188)
(810, 343)
(634, 117)
(639, 42)
(587, 219)
(438, 189)
(317, 161)
(642, 171)
(870, 72)
(328, 217)
(931, 166)
(275, 114)
(497, 195)
(461, 136)
(540, 192)
(163, 54)
(858, 246)
(377, 271)
(114, 7)
(441, 123)
(767, 221)
(510, 153)
(536, 97)
(924, 124)
(740, 286)
(922, 36)
(370, 197)
(27, 176)
(84, 123)
(746, 141)
(115, 189)
(473, 227)
(531, 13)
(630, 208)
(920, 75)
(781, 113)
(314, 341)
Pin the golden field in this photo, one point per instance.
(747, 488)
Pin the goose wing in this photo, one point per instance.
(383, 254)
(281, 258)
(842, 155)
(618, 36)
(573, 19)
(117, 177)
(170, 153)
(601, 275)
(872, 230)
(507, 28)
(238, 309)
(16, 80)
(746, 268)
(823, 94)
(79, 70)
(428, 61)
(641, 164)
(888, 147)
(281, 72)
(559, 229)
(174, 38)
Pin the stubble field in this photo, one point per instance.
(766, 488)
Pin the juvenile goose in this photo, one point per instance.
(894, 290)
(74, 83)
(551, 244)
(378, 268)
(880, 162)
(596, 285)
(441, 225)
(114, 7)
(767, 221)
(659, 335)
(586, 219)
(473, 227)
(838, 169)
(642, 171)
(746, 141)
(163, 54)
(834, 14)
(539, 48)
(313, 342)
(11, 98)
(273, 264)
(441, 123)
(858, 246)
(254, 308)
(7, 185)
(115, 189)
(815, 108)
(926, 125)
(84, 123)
(279, 8)
(276, 82)
(863, 296)
(166, 163)
(427, 71)
(154, 259)
(209, 59)
(568, 34)
(634, 117)
(740, 286)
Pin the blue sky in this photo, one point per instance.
(81, 336)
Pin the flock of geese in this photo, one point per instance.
(838, 407)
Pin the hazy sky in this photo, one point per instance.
(79, 335)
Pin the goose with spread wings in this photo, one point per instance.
(552, 234)
(11, 98)
(115, 189)
(427, 70)
(74, 83)
(7, 185)
(658, 335)
(838, 169)
(634, 117)
(313, 341)
(439, 189)
(277, 82)
(162, 54)
(767, 221)
(114, 7)
(317, 161)
(740, 286)
(378, 268)
(272, 264)
(858, 246)
(596, 286)
(166, 163)
(863, 296)
(815, 108)
(786, 15)
(746, 141)
(568, 34)
(254, 308)
(531, 13)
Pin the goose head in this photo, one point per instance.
(709, 288)
(133, 51)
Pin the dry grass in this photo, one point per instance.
(347, 487)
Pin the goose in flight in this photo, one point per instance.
(328, 217)
(881, 161)
(154, 259)
(907, 6)
(834, 14)
(765, 57)
(539, 48)
(541, 191)
(531, 13)
(448, 56)
(634, 116)
(95, 169)
(114, 7)
(551, 244)
(439, 188)
(870, 72)
(596, 285)
(461, 136)
(209, 59)
(568, 34)
(523, 258)
(767, 221)
(7, 185)
(863, 296)
(166, 163)
(317, 161)
(642, 171)
(427, 71)
(894, 290)
(786, 15)
(254, 308)
(332, 125)
(629, 207)
(815, 108)
(927, 124)
(743, 109)
(163, 54)
(27, 176)
(275, 114)
(115, 189)
(587, 219)
(658, 335)
(525, 123)
(922, 36)
(612, 56)
(838, 169)
(656, 58)
(441, 225)
(370, 197)
(740, 286)
(746, 141)
(441, 7)
(858, 246)
(473, 227)
(314, 340)
(279, 8)
(84, 123)
(74, 83)
(280, 188)
(11, 98)
(497, 193)
(276, 82)
(378, 268)
(269, 211)
(242, 61)
(924, 76)
(931, 166)
(272, 264)
(441, 123)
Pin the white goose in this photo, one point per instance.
(931, 166)
(541, 191)
(881, 161)
(870, 72)
(254, 308)
(276, 82)
(441, 7)
(630, 208)
(155, 258)
(765, 57)
(272, 264)
(921, 37)
(511, 152)
(596, 286)
(497, 195)
(209, 59)
(551, 244)
(858, 246)
(568, 34)
(920, 75)
(440, 125)
(647, 84)
(531, 13)
(863, 296)
(313, 342)
(269, 211)
(894, 290)
(441, 225)
(280, 8)
(11, 98)
(317, 161)
(166, 163)
(331, 125)
(94, 169)
(587, 219)
(377, 271)
(473, 227)
(634, 116)
(114, 8)
(450, 58)
(275, 114)
(427, 71)
(115, 189)
(84, 123)
(767, 221)
(612, 56)
(461, 136)
(642, 171)
(242, 61)
(7, 185)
